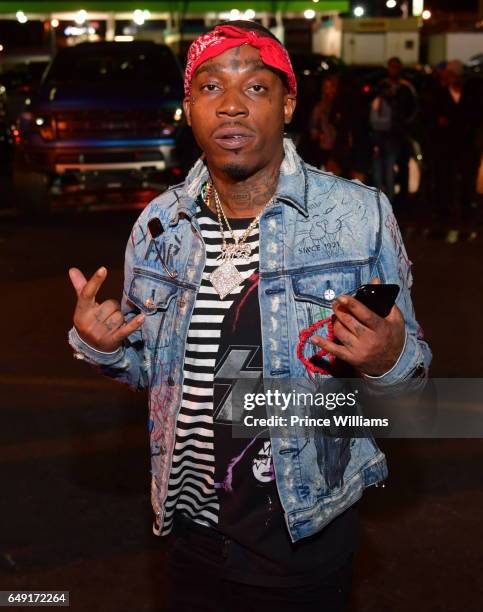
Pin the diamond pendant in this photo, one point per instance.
(225, 278)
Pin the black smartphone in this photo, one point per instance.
(378, 298)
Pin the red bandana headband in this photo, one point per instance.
(222, 38)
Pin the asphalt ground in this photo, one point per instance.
(74, 463)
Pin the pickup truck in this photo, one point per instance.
(106, 116)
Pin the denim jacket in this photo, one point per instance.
(320, 236)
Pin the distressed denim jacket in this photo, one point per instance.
(321, 236)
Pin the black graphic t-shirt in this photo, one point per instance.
(244, 475)
(228, 482)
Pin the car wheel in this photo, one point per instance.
(31, 191)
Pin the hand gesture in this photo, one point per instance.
(102, 326)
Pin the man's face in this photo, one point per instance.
(237, 110)
(394, 69)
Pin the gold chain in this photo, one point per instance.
(246, 233)
(238, 249)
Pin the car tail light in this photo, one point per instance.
(16, 135)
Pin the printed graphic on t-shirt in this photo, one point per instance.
(243, 472)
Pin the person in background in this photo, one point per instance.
(332, 129)
(392, 112)
(453, 115)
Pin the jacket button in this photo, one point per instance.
(170, 381)
(181, 303)
(329, 294)
(149, 303)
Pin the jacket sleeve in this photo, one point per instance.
(393, 266)
(126, 364)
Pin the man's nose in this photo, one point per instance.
(232, 104)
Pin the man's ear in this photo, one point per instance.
(187, 110)
(289, 104)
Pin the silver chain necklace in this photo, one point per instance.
(227, 277)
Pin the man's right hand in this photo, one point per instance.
(102, 326)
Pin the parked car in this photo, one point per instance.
(106, 116)
(21, 77)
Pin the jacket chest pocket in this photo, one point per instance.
(315, 290)
(155, 296)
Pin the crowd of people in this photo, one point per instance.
(439, 125)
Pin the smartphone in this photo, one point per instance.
(378, 298)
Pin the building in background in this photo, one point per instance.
(361, 32)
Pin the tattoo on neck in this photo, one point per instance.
(251, 198)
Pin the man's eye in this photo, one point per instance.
(258, 88)
(209, 87)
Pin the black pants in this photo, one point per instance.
(194, 567)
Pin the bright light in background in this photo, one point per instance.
(21, 17)
(81, 17)
(426, 14)
(315, 1)
(359, 11)
(418, 6)
(75, 31)
(123, 38)
(2, 88)
(391, 4)
(139, 16)
(249, 14)
(309, 14)
(234, 14)
(178, 114)
(54, 23)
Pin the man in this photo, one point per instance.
(392, 111)
(222, 273)
(452, 117)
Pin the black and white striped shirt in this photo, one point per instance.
(191, 484)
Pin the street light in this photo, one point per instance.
(359, 11)
(21, 17)
(234, 14)
(309, 14)
(139, 17)
(54, 23)
(81, 17)
(249, 14)
(426, 14)
(390, 4)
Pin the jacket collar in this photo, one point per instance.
(292, 184)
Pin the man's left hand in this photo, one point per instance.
(370, 343)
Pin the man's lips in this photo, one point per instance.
(232, 138)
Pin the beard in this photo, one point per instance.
(237, 172)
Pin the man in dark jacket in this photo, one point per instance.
(393, 109)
